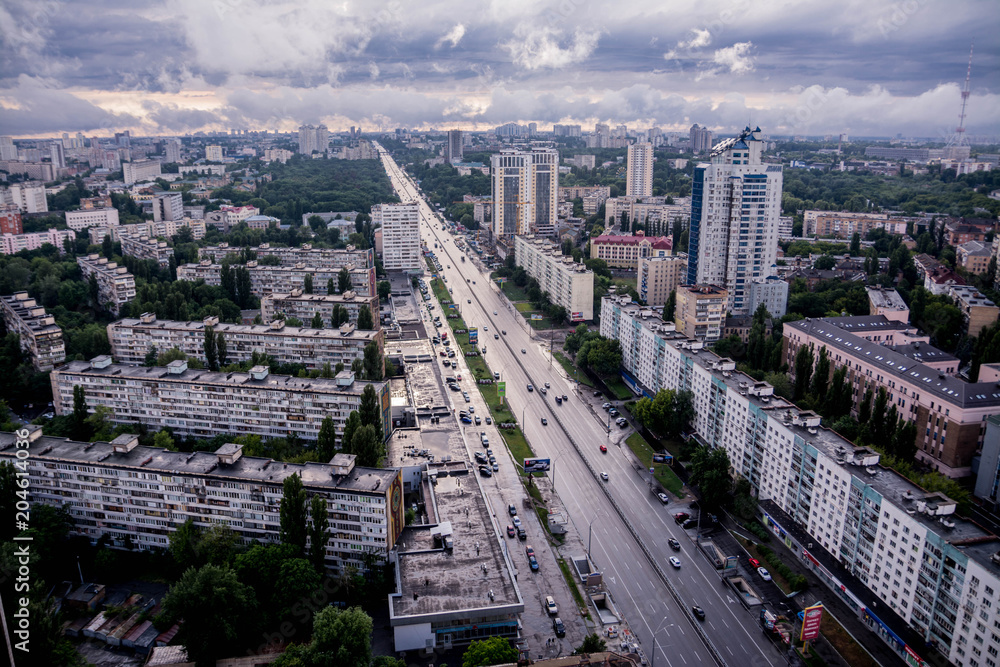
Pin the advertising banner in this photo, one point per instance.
(812, 616)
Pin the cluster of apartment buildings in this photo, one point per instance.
(142, 495)
(40, 337)
(568, 284)
(868, 533)
(304, 307)
(625, 251)
(267, 278)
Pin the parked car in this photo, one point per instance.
(754, 563)
(512, 509)
(550, 605)
(489, 420)
(521, 534)
(485, 471)
(524, 351)
(681, 517)
(510, 530)
(663, 498)
(690, 523)
(517, 522)
(764, 574)
(558, 627)
(533, 563)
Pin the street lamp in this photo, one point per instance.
(652, 661)
(590, 530)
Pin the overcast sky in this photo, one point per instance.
(864, 67)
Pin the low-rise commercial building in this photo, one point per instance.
(624, 252)
(142, 495)
(659, 276)
(700, 311)
(14, 243)
(131, 339)
(205, 404)
(41, 338)
(267, 279)
(568, 284)
(305, 306)
(92, 217)
(115, 285)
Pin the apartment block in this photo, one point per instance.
(115, 285)
(700, 139)
(977, 310)
(624, 252)
(844, 224)
(887, 302)
(949, 412)
(206, 404)
(131, 339)
(164, 229)
(127, 492)
(400, 235)
(898, 555)
(735, 208)
(139, 171)
(974, 256)
(312, 139)
(266, 278)
(525, 191)
(700, 311)
(321, 258)
(654, 213)
(172, 151)
(305, 306)
(41, 338)
(14, 243)
(639, 170)
(659, 276)
(10, 219)
(168, 206)
(568, 284)
(213, 153)
(94, 217)
(28, 197)
(143, 247)
(772, 293)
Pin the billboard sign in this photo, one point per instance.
(536, 465)
(811, 618)
(473, 335)
(535, 316)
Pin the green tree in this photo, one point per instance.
(670, 306)
(342, 637)
(373, 362)
(257, 568)
(222, 349)
(184, 545)
(370, 411)
(352, 424)
(307, 284)
(218, 544)
(365, 446)
(821, 377)
(710, 473)
(80, 431)
(329, 287)
(803, 371)
(592, 643)
(344, 280)
(317, 321)
(293, 513)
(218, 612)
(211, 352)
(150, 359)
(384, 290)
(326, 442)
(319, 534)
(365, 320)
(164, 440)
(855, 249)
(492, 651)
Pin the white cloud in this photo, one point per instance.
(699, 39)
(538, 47)
(373, 70)
(737, 58)
(454, 36)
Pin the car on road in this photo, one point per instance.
(472, 408)
(676, 562)
(485, 472)
(598, 394)
(533, 563)
(663, 498)
(477, 420)
(690, 523)
(550, 605)
(489, 420)
(468, 300)
(558, 627)
(496, 467)
(558, 400)
(674, 544)
(565, 397)
(503, 332)
(604, 449)
(545, 422)
(467, 399)
(606, 406)
(604, 476)
(753, 562)
(698, 612)
(512, 509)
(529, 551)
(510, 531)
(517, 522)
(524, 351)
(530, 388)
(548, 386)
(521, 534)
(681, 517)
(496, 336)
(764, 574)
(542, 390)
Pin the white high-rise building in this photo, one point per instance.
(8, 151)
(525, 191)
(313, 139)
(168, 206)
(213, 153)
(454, 147)
(173, 151)
(639, 180)
(57, 154)
(140, 170)
(28, 197)
(735, 211)
(400, 235)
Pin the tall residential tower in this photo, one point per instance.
(735, 205)
(639, 181)
(525, 191)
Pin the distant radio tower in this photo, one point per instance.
(958, 139)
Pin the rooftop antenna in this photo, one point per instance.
(959, 139)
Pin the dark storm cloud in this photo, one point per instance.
(49, 110)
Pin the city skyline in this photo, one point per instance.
(876, 69)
